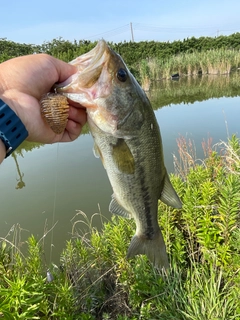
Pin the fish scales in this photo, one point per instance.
(128, 141)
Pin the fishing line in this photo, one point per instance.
(54, 203)
(226, 123)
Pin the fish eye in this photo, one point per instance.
(122, 75)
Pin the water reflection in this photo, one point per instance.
(20, 183)
(55, 181)
(194, 89)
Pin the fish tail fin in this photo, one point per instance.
(154, 249)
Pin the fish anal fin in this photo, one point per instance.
(154, 249)
(169, 195)
(122, 157)
(116, 208)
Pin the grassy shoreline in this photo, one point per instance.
(95, 281)
(212, 62)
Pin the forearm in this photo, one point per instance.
(2, 146)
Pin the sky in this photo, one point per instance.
(36, 22)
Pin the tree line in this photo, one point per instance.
(131, 52)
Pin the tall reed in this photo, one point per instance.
(220, 61)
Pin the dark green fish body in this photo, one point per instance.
(128, 141)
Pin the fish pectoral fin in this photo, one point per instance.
(154, 249)
(96, 151)
(122, 157)
(169, 195)
(116, 208)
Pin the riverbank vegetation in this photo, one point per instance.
(95, 281)
(212, 62)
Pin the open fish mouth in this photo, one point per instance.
(55, 107)
(94, 83)
(89, 66)
(90, 58)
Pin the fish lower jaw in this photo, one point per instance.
(99, 121)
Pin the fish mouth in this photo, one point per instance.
(90, 58)
(92, 86)
(89, 67)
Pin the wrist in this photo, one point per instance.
(12, 130)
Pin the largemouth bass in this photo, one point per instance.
(128, 141)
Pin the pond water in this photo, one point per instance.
(43, 187)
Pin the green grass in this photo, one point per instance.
(95, 281)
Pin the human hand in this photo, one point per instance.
(23, 82)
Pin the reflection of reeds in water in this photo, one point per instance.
(194, 88)
(221, 61)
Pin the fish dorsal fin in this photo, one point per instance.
(169, 195)
(116, 208)
(122, 157)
